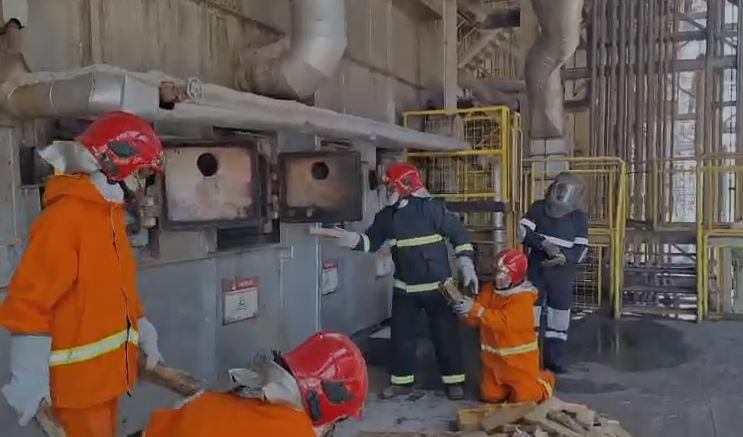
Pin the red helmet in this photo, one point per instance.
(511, 263)
(331, 374)
(405, 177)
(123, 143)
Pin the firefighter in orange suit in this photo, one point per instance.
(72, 308)
(298, 394)
(508, 340)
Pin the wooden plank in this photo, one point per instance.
(450, 291)
(48, 424)
(506, 415)
(538, 416)
(468, 419)
(391, 433)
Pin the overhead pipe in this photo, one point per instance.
(316, 46)
(559, 21)
(86, 92)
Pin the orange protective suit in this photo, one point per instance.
(77, 282)
(509, 346)
(226, 415)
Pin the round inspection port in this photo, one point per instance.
(207, 164)
(320, 171)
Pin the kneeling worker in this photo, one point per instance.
(302, 393)
(508, 341)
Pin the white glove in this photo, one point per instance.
(148, 343)
(349, 240)
(469, 276)
(29, 381)
(463, 307)
(552, 250)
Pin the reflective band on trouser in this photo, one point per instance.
(464, 248)
(537, 316)
(560, 335)
(558, 320)
(453, 379)
(414, 288)
(546, 385)
(402, 380)
(510, 350)
(367, 243)
(417, 241)
(93, 350)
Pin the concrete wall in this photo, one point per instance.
(392, 63)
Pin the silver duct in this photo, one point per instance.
(318, 41)
(489, 91)
(86, 92)
(559, 21)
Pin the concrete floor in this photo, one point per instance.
(659, 378)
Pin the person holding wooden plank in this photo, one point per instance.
(302, 393)
(72, 308)
(508, 340)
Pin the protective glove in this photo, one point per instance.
(463, 307)
(559, 260)
(552, 250)
(469, 276)
(349, 240)
(29, 381)
(148, 343)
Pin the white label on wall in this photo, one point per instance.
(329, 280)
(240, 299)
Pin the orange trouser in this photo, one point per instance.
(97, 421)
(526, 389)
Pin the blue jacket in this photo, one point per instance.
(417, 234)
(569, 232)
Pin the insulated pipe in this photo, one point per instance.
(89, 91)
(318, 41)
(559, 21)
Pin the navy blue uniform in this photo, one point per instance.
(418, 233)
(555, 284)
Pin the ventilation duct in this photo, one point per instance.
(295, 68)
(92, 90)
(560, 25)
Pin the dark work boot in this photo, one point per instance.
(394, 391)
(455, 392)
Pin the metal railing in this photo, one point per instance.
(719, 223)
(606, 205)
(484, 173)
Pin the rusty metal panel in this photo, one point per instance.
(320, 187)
(212, 184)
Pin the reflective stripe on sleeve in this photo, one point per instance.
(581, 240)
(558, 241)
(528, 223)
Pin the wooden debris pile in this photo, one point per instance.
(553, 418)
